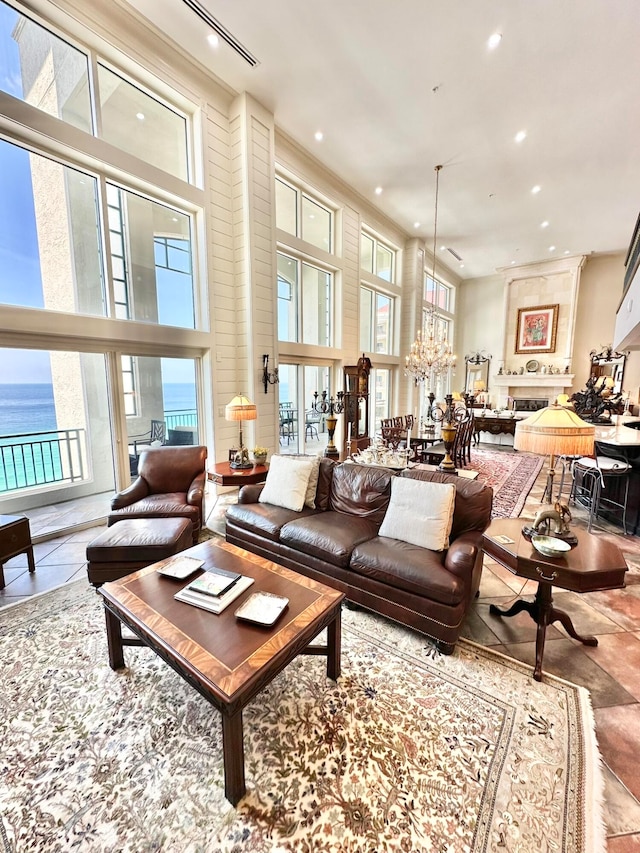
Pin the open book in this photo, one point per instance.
(215, 604)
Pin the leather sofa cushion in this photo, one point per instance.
(408, 567)
(264, 519)
(330, 536)
(361, 490)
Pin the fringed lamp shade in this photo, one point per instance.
(555, 431)
(240, 409)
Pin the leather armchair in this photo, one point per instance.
(170, 484)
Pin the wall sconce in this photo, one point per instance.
(268, 378)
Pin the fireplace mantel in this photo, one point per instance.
(545, 386)
(538, 380)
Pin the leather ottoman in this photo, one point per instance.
(134, 543)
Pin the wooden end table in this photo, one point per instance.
(594, 564)
(225, 660)
(15, 538)
(224, 475)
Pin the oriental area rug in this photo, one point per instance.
(510, 475)
(409, 751)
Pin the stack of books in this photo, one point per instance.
(214, 590)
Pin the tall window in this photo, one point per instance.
(304, 302)
(31, 59)
(438, 294)
(300, 214)
(376, 321)
(50, 254)
(93, 251)
(377, 258)
(380, 383)
(47, 72)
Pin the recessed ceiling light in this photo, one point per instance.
(461, 266)
(416, 224)
(544, 224)
(378, 190)
(494, 41)
(140, 116)
(536, 189)
(213, 40)
(552, 248)
(319, 135)
(174, 218)
(513, 262)
(442, 248)
(567, 252)
(521, 135)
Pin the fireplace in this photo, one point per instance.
(529, 404)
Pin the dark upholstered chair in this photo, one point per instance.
(170, 484)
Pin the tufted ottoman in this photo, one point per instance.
(134, 543)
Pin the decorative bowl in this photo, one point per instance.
(550, 546)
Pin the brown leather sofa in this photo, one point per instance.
(338, 543)
(170, 484)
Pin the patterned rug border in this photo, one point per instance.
(522, 461)
(592, 783)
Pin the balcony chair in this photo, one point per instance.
(156, 437)
(311, 421)
(170, 484)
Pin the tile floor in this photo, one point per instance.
(611, 671)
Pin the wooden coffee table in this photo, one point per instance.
(225, 660)
(594, 564)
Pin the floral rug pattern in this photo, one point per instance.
(410, 750)
(510, 475)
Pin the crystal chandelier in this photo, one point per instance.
(430, 355)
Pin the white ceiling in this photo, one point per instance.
(398, 87)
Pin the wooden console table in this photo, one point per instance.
(15, 538)
(594, 564)
(493, 424)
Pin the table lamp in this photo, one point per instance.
(554, 431)
(241, 409)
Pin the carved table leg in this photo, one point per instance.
(543, 614)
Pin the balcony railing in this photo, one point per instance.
(58, 456)
(40, 458)
(180, 417)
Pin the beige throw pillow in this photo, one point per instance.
(420, 513)
(287, 482)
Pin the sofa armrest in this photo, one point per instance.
(463, 553)
(195, 495)
(138, 490)
(250, 494)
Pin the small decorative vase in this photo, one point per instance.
(259, 458)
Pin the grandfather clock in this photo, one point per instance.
(356, 409)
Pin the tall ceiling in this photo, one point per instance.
(399, 87)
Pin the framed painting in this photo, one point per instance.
(536, 329)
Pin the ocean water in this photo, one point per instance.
(25, 409)
(28, 409)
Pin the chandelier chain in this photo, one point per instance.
(431, 354)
